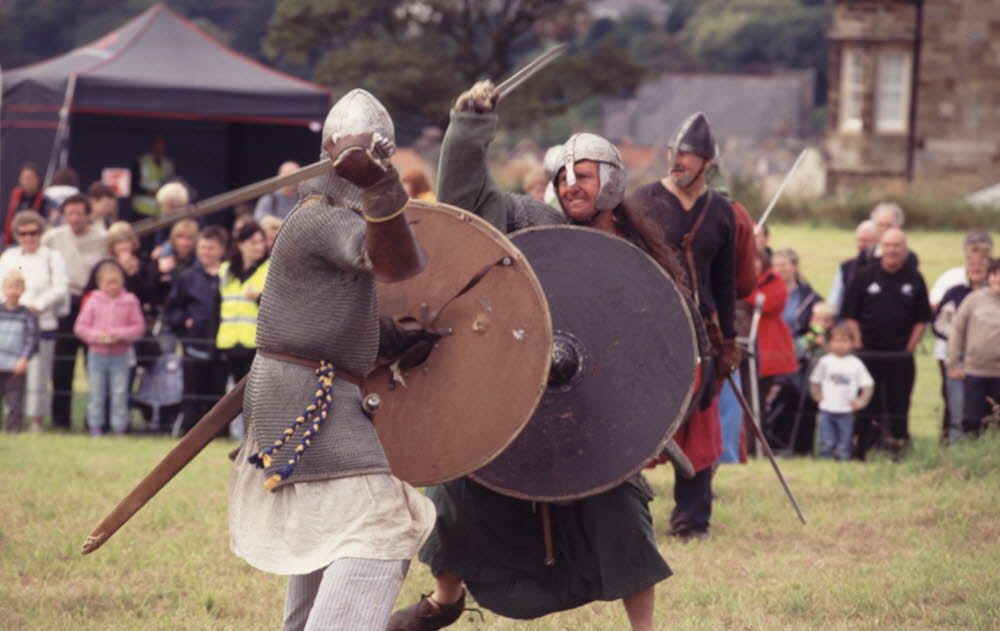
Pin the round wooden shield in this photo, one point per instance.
(475, 392)
(623, 374)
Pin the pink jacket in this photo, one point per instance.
(101, 313)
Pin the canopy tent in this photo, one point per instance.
(227, 120)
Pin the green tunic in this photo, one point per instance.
(605, 548)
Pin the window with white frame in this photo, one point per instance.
(892, 96)
(852, 89)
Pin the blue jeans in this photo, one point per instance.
(107, 374)
(955, 388)
(835, 431)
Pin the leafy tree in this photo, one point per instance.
(33, 30)
(418, 55)
(757, 35)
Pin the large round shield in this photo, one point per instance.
(623, 371)
(457, 410)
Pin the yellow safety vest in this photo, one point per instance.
(238, 315)
(151, 177)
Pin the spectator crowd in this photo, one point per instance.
(165, 320)
(175, 312)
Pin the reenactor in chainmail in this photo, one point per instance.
(311, 494)
(481, 541)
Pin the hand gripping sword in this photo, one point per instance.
(751, 420)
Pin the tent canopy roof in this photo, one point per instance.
(160, 64)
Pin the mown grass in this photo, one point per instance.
(897, 546)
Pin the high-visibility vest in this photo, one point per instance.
(238, 314)
(152, 175)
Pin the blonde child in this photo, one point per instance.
(109, 321)
(841, 385)
(18, 342)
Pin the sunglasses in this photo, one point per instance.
(28, 233)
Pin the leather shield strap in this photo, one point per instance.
(309, 363)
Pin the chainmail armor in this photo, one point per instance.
(319, 302)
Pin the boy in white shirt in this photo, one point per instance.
(841, 385)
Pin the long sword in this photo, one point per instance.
(777, 193)
(755, 427)
(531, 69)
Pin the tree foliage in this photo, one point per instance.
(33, 30)
(755, 35)
(417, 56)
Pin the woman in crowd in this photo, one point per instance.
(775, 350)
(46, 292)
(943, 327)
(801, 297)
(241, 279)
(27, 195)
(797, 314)
(974, 350)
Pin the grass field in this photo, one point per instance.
(896, 546)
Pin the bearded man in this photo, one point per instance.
(488, 541)
(326, 510)
(699, 223)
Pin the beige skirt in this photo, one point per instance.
(303, 527)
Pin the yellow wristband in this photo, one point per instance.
(399, 212)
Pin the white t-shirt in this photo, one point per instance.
(840, 379)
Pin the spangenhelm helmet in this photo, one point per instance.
(357, 112)
(611, 167)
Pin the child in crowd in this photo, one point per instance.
(841, 385)
(821, 320)
(18, 342)
(193, 314)
(109, 321)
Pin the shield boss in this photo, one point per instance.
(481, 384)
(623, 368)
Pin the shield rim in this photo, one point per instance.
(678, 418)
(518, 257)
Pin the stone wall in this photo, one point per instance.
(958, 112)
(956, 139)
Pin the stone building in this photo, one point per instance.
(914, 97)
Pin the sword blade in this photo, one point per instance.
(755, 427)
(777, 193)
(225, 200)
(184, 452)
(528, 71)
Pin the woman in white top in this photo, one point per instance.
(46, 293)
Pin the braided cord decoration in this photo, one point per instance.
(315, 413)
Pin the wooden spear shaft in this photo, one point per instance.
(184, 452)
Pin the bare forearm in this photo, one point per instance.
(816, 392)
(915, 335)
(856, 333)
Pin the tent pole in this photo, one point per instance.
(58, 155)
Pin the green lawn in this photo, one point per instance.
(895, 546)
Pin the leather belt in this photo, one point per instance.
(309, 363)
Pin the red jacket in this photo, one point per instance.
(746, 252)
(774, 341)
